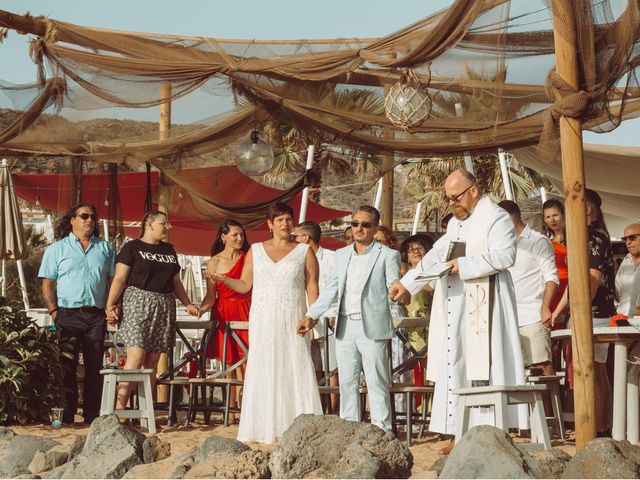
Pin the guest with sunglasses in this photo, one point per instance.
(628, 276)
(76, 272)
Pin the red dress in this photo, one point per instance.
(230, 306)
(560, 252)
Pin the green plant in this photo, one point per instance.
(37, 245)
(30, 368)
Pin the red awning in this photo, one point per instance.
(225, 185)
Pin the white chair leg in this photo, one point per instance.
(539, 422)
(105, 394)
(557, 408)
(142, 404)
(501, 412)
(462, 422)
(633, 404)
(148, 402)
(111, 394)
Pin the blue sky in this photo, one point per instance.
(275, 19)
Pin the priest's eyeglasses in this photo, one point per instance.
(456, 198)
(630, 238)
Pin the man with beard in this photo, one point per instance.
(473, 333)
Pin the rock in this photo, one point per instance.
(438, 465)
(18, 452)
(6, 433)
(110, 450)
(27, 475)
(248, 464)
(326, 446)
(605, 458)
(52, 458)
(545, 463)
(175, 466)
(469, 458)
(215, 445)
(77, 446)
(57, 472)
(154, 449)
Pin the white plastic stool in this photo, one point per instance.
(553, 385)
(500, 397)
(141, 377)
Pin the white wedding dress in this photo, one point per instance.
(280, 381)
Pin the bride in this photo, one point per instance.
(280, 381)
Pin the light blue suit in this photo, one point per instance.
(362, 344)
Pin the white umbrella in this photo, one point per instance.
(12, 243)
(189, 282)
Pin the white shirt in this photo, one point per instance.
(628, 285)
(354, 283)
(326, 259)
(535, 266)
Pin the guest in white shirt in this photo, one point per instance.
(628, 276)
(535, 278)
(309, 233)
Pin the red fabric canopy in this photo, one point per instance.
(191, 236)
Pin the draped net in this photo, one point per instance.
(493, 57)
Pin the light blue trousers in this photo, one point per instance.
(356, 352)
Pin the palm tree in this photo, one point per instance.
(290, 142)
(426, 176)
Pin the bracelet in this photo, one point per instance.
(54, 310)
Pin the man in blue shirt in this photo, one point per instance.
(76, 273)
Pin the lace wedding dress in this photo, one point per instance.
(280, 381)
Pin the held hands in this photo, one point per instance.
(193, 310)
(304, 325)
(545, 317)
(398, 292)
(113, 314)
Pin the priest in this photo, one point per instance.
(473, 332)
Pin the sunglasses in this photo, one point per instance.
(85, 216)
(356, 224)
(630, 237)
(456, 198)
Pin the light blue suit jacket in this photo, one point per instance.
(382, 270)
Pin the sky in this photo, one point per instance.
(241, 19)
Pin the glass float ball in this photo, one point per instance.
(407, 104)
(254, 156)
(56, 424)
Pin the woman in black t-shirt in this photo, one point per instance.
(149, 271)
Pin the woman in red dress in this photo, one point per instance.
(554, 224)
(227, 259)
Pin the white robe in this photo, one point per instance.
(507, 367)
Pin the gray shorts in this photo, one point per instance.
(535, 340)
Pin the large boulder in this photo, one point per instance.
(326, 446)
(488, 452)
(110, 451)
(175, 466)
(52, 458)
(605, 458)
(248, 464)
(17, 452)
(77, 446)
(215, 445)
(154, 449)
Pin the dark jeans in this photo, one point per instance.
(88, 331)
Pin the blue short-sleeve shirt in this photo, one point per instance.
(82, 278)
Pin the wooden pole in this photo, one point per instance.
(387, 180)
(576, 224)
(164, 200)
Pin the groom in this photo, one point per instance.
(360, 280)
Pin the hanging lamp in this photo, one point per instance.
(407, 103)
(254, 156)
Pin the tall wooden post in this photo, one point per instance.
(576, 223)
(386, 194)
(164, 199)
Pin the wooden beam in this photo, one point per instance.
(576, 224)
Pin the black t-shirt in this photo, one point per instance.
(601, 258)
(152, 266)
